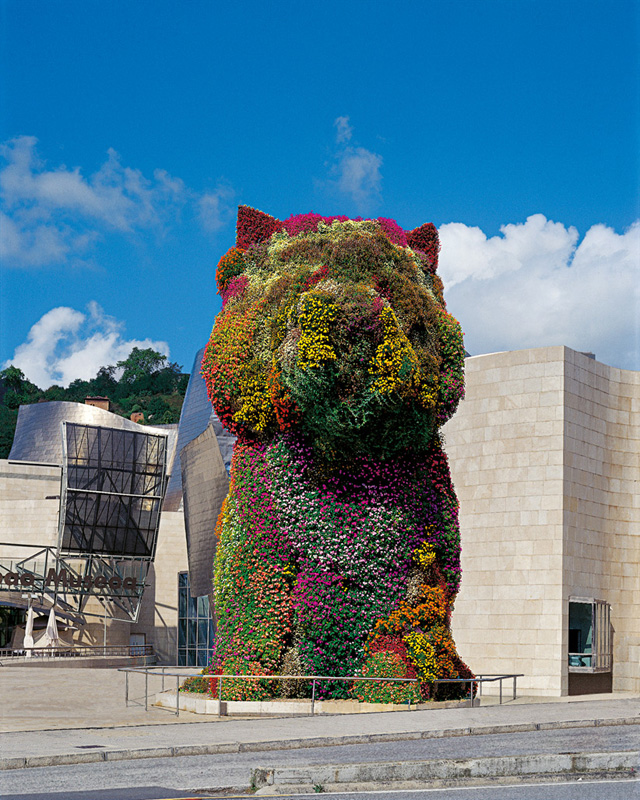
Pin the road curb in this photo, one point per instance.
(345, 777)
(96, 756)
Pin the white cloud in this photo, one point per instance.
(355, 170)
(537, 285)
(53, 215)
(66, 344)
(358, 175)
(214, 208)
(344, 131)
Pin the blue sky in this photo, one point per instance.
(131, 131)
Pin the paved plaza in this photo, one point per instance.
(71, 715)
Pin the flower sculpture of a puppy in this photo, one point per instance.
(335, 362)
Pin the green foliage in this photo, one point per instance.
(16, 389)
(8, 419)
(385, 664)
(196, 684)
(244, 688)
(148, 383)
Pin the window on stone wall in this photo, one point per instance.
(589, 635)
(195, 627)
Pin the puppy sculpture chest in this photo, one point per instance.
(335, 362)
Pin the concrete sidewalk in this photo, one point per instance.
(62, 719)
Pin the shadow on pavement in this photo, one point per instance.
(137, 793)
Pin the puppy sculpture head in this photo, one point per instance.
(335, 329)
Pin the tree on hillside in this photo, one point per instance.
(141, 363)
(12, 377)
(16, 389)
(148, 383)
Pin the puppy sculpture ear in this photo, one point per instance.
(425, 239)
(254, 226)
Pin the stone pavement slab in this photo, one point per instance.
(37, 699)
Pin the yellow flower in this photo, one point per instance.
(423, 656)
(314, 346)
(425, 555)
(256, 410)
(395, 363)
(428, 392)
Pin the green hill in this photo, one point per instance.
(147, 383)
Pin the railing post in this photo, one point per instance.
(177, 692)
(146, 685)
(126, 689)
(515, 680)
(501, 690)
(220, 696)
(313, 696)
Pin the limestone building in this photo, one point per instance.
(545, 458)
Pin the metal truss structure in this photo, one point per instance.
(43, 577)
(112, 486)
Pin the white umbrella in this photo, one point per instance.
(28, 632)
(52, 630)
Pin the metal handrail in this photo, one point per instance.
(490, 677)
(78, 651)
(162, 671)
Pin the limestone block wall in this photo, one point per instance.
(545, 458)
(26, 515)
(505, 450)
(602, 501)
(158, 618)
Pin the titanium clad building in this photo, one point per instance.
(81, 514)
(197, 413)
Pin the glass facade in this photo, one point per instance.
(589, 635)
(10, 618)
(195, 627)
(112, 486)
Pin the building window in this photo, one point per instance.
(195, 627)
(589, 635)
(10, 619)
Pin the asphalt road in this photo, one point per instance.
(624, 789)
(578, 790)
(143, 779)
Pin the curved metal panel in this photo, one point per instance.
(38, 437)
(197, 413)
(205, 485)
